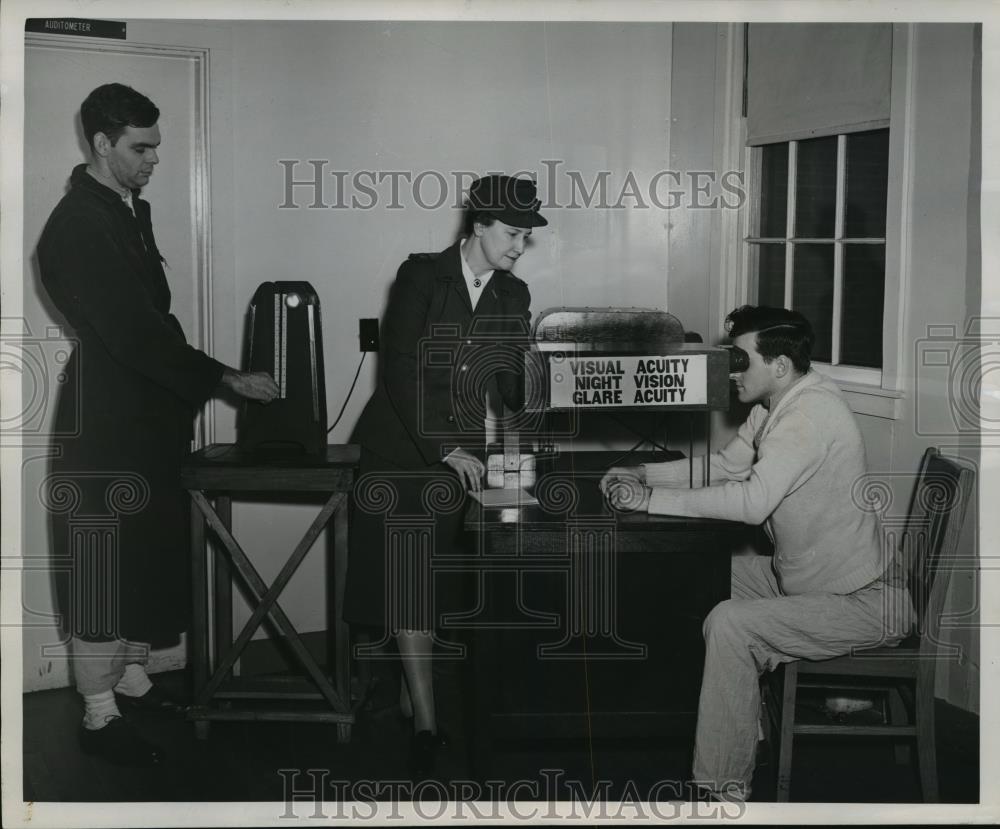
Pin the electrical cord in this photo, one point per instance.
(634, 431)
(349, 393)
(628, 452)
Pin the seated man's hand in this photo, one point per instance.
(628, 495)
(257, 385)
(469, 469)
(634, 474)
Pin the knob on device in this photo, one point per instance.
(284, 339)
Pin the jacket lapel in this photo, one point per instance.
(462, 290)
(492, 302)
(450, 273)
(137, 227)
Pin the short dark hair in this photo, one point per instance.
(779, 332)
(112, 107)
(474, 217)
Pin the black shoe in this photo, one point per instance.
(423, 753)
(118, 743)
(154, 701)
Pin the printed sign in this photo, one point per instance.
(76, 26)
(603, 382)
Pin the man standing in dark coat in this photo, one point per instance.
(134, 388)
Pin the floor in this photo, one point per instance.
(259, 761)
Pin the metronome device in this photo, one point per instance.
(284, 340)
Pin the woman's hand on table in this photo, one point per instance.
(470, 470)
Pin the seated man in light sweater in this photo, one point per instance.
(791, 467)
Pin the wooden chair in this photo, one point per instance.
(906, 672)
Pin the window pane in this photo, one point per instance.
(816, 188)
(812, 293)
(864, 296)
(770, 262)
(867, 179)
(773, 191)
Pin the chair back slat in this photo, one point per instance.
(933, 525)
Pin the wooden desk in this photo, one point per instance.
(219, 472)
(589, 623)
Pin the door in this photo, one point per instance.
(59, 73)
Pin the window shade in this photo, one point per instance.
(810, 79)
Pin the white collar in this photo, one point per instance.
(467, 271)
(475, 284)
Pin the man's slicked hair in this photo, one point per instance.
(779, 332)
(113, 107)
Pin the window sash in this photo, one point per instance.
(850, 373)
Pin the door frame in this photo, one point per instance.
(203, 337)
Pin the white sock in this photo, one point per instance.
(98, 709)
(134, 682)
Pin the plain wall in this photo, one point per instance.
(943, 288)
(692, 149)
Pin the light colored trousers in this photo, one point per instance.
(98, 666)
(755, 631)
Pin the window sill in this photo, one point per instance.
(863, 394)
(873, 401)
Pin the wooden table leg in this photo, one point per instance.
(223, 583)
(199, 621)
(263, 600)
(341, 632)
(215, 651)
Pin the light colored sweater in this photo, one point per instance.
(809, 456)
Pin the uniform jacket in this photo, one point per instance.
(438, 357)
(133, 386)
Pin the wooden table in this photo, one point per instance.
(218, 473)
(589, 624)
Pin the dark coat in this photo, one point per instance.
(133, 387)
(437, 360)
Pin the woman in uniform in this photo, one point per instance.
(456, 323)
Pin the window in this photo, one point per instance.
(817, 242)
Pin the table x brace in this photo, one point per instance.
(265, 600)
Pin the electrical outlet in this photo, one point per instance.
(368, 334)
